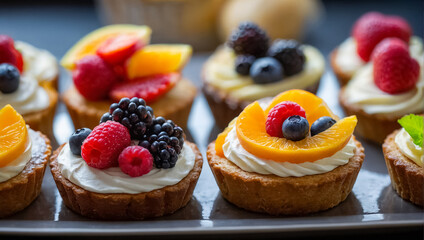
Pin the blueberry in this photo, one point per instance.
(106, 117)
(266, 70)
(321, 124)
(9, 78)
(295, 128)
(76, 140)
(243, 64)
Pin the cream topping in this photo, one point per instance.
(39, 63)
(219, 72)
(234, 152)
(406, 145)
(113, 180)
(348, 60)
(362, 92)
(28, 98)
(17, 165)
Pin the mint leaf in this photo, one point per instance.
(414, 126)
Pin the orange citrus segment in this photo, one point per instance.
(89, 44)
(251, 132)
(158, 58)
(220, 140)
(314, 106)
(13, 135)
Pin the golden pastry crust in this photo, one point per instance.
(117, 206)
(174, 105)
(342, 77)
(20, 191)
(370, 126)
(284, 195)
(225, 108)
(407, 177)
(43, 120)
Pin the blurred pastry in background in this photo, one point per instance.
(279, 18)
(188, 21)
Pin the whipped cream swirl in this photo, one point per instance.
(234, 152)
(38, 63)
(28, 98)
(17, 165)
(113, 180)
(406, 145)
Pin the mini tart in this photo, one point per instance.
(121, 206)
(284, 195)
(373, 127)
(342, 76)
(406, 176)
(43, 120)
(20, 191)
(174, 105)
(225, 108)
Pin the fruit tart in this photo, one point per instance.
(117, 61)
(390, 86)
(404, 154)
(248, 68)
(24, 154)
(127, 168)
(27, 83)
(290, 156)
(356, 51)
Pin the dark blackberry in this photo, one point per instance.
(165, 141)
(133, 114)
(243, 64)
(289, 54)
(249, 39)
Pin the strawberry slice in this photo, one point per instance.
(149, 88)
(116, 49)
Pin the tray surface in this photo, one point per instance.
(372, 204)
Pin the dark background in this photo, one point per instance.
(57, 25)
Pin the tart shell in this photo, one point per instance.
(174, 105)
(406, 176)
(342, 77)
(116, 206)
(20, 191)
(284, 195)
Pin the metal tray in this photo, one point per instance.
(372, 204)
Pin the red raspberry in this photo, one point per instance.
(103, 145)
(395, 71)
(8, 53)
(279, 113)
(94, 78)
(135, 161)
(373, 27)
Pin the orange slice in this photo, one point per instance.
(251, 132)
(13, 135)
(158, 58)
(89, 44)
(220, 140)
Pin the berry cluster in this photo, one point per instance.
(264, 64)
(288, 120)
(165, 141)
(133, 114)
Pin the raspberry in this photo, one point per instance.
(373, 27)
(249, 39)
(94, 78)
(135, 161)
(278, 114)
(8, 53)
(104, 144)
(394, 69)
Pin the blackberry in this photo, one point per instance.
(133, 114)
(249, 39)
(243, 64)
(165, 141)
(289, 54)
